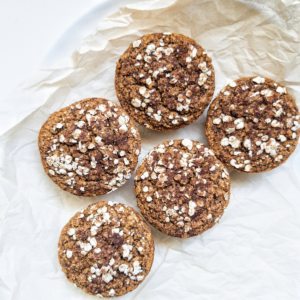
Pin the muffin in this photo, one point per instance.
(89, 148)
(106, 249)
(182, 189)
(164, 81)
(253, 125)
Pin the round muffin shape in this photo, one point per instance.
(89, 148)
(164, 81)
(182, 189)
(253, 125)
(106, 249)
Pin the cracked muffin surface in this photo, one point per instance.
(182, 189)
(253, 125)
(165, 81)
(106, 249)
(89, 148)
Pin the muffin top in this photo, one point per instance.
(164, 81)
(253, 125)
(90, 147)
(106, 249)
(182, 189)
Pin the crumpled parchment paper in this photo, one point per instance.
(252, 254)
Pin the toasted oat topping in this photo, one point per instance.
(89, 148)
(186, 190)
(164, 81)
(259, 125)
(108, 251)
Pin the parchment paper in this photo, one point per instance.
(254, 253)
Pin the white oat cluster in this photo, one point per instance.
(175, 180)
(152, 67)
(257, 124)
(86, 143)
(125, 252)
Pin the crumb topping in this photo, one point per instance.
(182, 189)
(107, 249)
(164, 81)
(253, 125)
(89, 148)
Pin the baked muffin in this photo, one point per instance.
(106, 249)
(89, 148)
(165, 81)
(182, 189)
(253, 125)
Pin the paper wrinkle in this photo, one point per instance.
(253, 253)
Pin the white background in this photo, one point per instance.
(30, 28)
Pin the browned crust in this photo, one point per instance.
(77, 267)
(205, 187)
(99, 188)
(214, 142)
(200, 99)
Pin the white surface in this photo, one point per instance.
(35, 33)
(252, 254)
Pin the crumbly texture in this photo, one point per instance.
(164, 81)
(253, 125)
(106, 249)
(89, 148)
(182, 189)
